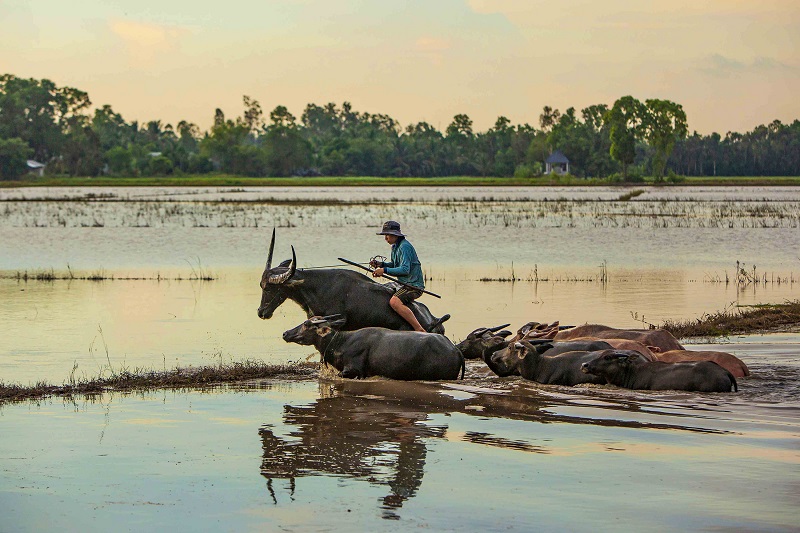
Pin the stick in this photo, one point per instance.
(390, 278)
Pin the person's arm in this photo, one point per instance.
(403, 264)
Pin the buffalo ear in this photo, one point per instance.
(285, 263)
(523, 350)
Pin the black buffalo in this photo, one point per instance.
(624, 369)
(362, 301)
(550, 364)
(483, 342)
(405, 355)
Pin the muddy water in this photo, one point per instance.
(341, 455)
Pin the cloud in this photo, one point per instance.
(433, 48)
(146, 41)
(720, 65)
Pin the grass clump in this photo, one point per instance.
(739, 320)
(143, 380)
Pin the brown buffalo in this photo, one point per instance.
(650, 353)
(728, 361)
(660, 338)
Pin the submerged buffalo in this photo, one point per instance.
(728, 361)
(626, 368)
(550, 364)
(362, 301)
(404, 355)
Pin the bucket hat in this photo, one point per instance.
(391, 228)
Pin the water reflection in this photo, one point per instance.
(378, 439)
(380, 431)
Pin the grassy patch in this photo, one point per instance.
(143, 380)
(224, 180)
(739, 320)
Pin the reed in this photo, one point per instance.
(737, 320)
(197, 273)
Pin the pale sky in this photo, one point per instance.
(732, 64)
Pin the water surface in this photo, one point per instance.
(485, 453)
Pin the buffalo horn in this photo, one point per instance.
(271, 248)
(478, 333)
(498, 328)
(278, 279)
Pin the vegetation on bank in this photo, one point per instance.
(739, 321)
(227, 180)
(57, 128)
(144, 380)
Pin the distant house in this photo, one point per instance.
(557, 163)
(34, 167)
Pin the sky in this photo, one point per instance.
(732, 64)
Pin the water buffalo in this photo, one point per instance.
(650, 353)
(404, 355)
(558, 368)
(728, 361)
(626, 368)
(484, 341)
(660, 338)
(362, 301)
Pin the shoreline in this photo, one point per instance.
(372, 181)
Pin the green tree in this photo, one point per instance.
(664, 123)
(624, 121)
(548, 118)
(14, 154)
(38, 112)
(460, 146)
(119, 160)
(286, 149)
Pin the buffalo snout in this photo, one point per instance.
(293, 335)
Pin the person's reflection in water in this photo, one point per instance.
(408, 476)
(378, 439)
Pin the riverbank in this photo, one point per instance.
(765, 318)
(224, 180)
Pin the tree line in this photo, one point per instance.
(626, 141)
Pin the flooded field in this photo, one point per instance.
(336, 454)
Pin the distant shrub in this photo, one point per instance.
(675, 178)
(528, 170)
(160, 166)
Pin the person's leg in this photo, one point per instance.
(407, 314)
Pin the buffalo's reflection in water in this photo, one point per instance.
(356, 434)
(378, 431)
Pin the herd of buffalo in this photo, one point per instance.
(355, 330)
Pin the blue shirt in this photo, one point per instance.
(405, 265)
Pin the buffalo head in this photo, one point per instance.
(275, 282)
(314, 329)
(611, 362)
(483, 341)
(506, 362)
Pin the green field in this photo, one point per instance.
(223, 180)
